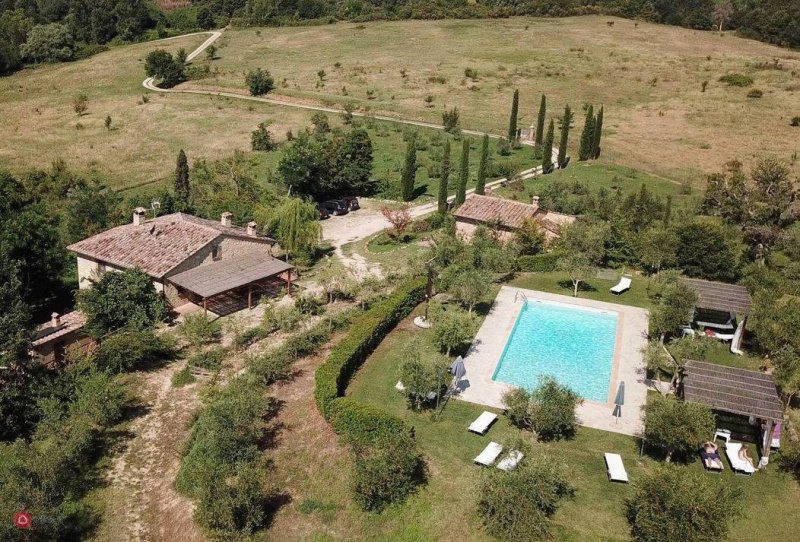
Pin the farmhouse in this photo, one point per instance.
(190, 259)
(506, 216)
(62, 332)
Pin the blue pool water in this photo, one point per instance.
(574, 345)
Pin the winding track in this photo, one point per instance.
(356, 228)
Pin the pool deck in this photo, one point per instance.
(628, 366)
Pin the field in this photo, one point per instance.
(648, 77)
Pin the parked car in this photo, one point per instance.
(323, 212)
(352, 203)
(336, 207)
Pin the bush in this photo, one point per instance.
(210, 360)
(503, 148)
(125, 350)
(453, 330)
(736, 80)
(422, 374)
(677, 427)
(48, 43)
(259, 82)
(385, 472)
(450, 120)
(540, 263)
(795, 121)
(198, 329)
(549, 409)
(677, 504)
(517, 505)
(309, 304)
(261, 139)
(365, 334)
(755, 93)
(183, 377)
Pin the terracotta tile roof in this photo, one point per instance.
(159, 245)
(489, 210)
(508, 213)
(67, 323)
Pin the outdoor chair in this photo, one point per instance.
(739, 466)
(510, 462)
(489, 454)
(615, 467)
(482, 423)
(623, 286)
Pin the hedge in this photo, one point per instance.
(365, 334)
(540, 263)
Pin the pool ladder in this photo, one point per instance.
(519, 294)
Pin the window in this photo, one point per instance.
(216, 252)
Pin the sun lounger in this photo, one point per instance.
(712, 464)
(489, 454)
(776, 437)
(737, 464)
(616, 470)
(510, 462)
(621, 287)
(482, 423)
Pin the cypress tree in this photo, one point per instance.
(444, 178)
(587, 136)
(540, 122)
(182, 178)
(562, 146)
(483, 166)
(463, 174)
(598, 132)
(409, 174)
(547, 149)
(512, 122)
(668, 211)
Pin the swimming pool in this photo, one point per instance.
(575, 345)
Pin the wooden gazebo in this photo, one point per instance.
(718, 306)
(246, 271)
(737, 391)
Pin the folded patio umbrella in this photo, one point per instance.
(619, 400)
(457, 368)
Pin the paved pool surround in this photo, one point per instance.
(628, 365)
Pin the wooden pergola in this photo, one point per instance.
(244, 271)
(737, 391)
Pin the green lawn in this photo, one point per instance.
(598, 289)
(444, 508)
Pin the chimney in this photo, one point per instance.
(226, 219)
(252, 229)
(55, 319)
(535, 200)
(139, 216)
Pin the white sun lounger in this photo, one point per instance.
(489, 454)
(482, 423)
(623, 285)
(616, 470)
(510, 462)
(738, 465)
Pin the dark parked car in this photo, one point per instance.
(352, 203)
(323, 212)
(336, 207)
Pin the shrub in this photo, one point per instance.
(518, 407)
(677, 504)
(736, 80)
(385, 472)
(503, 147)
(125, 350)
(453, 330)
(259, 82)
(795, 121)
(755, 93)
(422, 374)
(451, 122)
(517, 505)
(675, 426)
(183, 377)
(549, 409)
(287, 318)
(471, 73)
(210, 360)
(198, 329)
(309, 304)
(540, 263)
(365, 334)
(261, 139)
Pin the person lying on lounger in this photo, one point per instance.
(711, 456)
(743, 455)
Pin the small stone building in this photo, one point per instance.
(53, 339)
(190, 259)
(506, 217)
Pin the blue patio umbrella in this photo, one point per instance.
(619, 400)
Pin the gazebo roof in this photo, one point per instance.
(225, 275)
(720, 296)
(729, 389)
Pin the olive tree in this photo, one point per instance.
(676, 504)
(676, 427)
(453, 329)
(549, 410)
